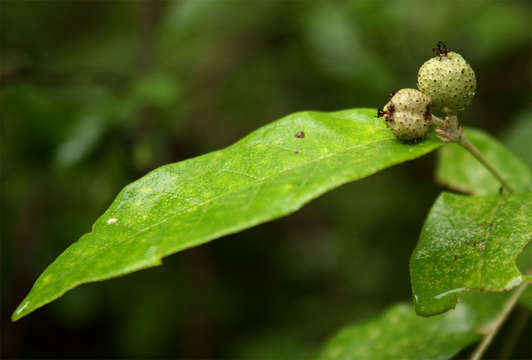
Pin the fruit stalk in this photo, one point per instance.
(466, 144)
(449, 130)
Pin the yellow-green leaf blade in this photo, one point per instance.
(460, 171)
(469, 242)
(270, 173)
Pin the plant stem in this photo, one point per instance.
(511, 339)
(465, 143)
(506, 310)
(449, 130)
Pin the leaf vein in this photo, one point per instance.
(253, 183)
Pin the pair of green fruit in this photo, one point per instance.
(446, 83)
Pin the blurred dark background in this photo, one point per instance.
(94, 94)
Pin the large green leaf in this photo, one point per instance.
(460, 171)
(399, 333)
(268, 174)
(469, 242)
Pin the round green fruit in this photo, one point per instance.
(449, 81)
(407, 115)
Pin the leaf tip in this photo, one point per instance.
(20, 311)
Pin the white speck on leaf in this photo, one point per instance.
(112, 221)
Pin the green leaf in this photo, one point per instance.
(459, 170)
(85, 137)
(524, 262)
(399, 333)
(526, 298)
(469, 242)
(268, 174)
(517, 137)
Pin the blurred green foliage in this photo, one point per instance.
(93, 94)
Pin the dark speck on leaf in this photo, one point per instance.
(300, 134)
(296, 152)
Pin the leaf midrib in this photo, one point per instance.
(198, 206)
(248, 185)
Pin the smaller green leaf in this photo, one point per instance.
(517, 138)
(469, 242)
(400, 334)
(526, 298)
(459, 170)
(85, 137)
(524, 262)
